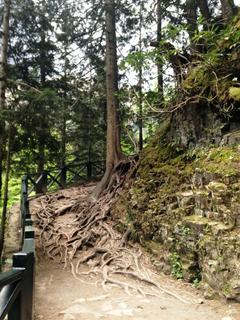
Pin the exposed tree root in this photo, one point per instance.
(87, 237)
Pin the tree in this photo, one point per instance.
(190, 9)
(205, 12)
(3, 83)
(113, 129)
(3, 77)
(159, 60)
(228, 9)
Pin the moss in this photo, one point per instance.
(221, 160)
(195, 78)
(234, 93)
(226, 289)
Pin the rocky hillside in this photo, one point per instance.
(185, 208)
(183, 204)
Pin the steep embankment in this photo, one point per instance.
(185, 208)
(184, 203)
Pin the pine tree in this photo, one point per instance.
(3, 78)
(113, 130)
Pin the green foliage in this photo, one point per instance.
(176, 265)
(14, 191)
(215, 74)
(234, 93)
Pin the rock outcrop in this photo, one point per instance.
(184, 207)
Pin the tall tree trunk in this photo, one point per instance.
(5, 194)
(228, 9)
(113, 130)
(64, 116)
(63, 141)
(159, 60)
(191, 16)
(41, 155)
(140, 84)
(205, 12)
(3, 77)
(41, 135)
(140, 111)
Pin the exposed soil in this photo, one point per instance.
(60, 295)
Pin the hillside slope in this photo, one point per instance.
(184, 201)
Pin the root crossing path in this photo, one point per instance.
(87, 270)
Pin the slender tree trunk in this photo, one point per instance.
(140, 114)
(228, 9)
(5, 195)
(204, 9)
(64, 120)
(159, 61)
(191, 17)
(3, 77)
(205, 12)
(113, 131)
(41, 135)
(140, 89)
(41, 156)
(63, 142)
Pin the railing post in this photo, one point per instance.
(15, 311)
(89, 170)
(41, 186)
(24, 199)
(25, 261)
(63, 176)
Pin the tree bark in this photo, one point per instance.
(191, 17)
(159, 60)
(5, 195)
(205, 12)
(140, 85)
(41, 134)
(228, 9)
(113, 130)
(3, 77)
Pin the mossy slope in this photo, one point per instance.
(185, 208)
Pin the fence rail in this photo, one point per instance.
(17, 285)
(53, 179)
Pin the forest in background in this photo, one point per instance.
(53, 89)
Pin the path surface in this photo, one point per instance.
(60, 296)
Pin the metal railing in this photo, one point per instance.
(53, 179)
(17, 285)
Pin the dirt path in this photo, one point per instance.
(60, 296)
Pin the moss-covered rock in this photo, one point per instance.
(184, 203)
(185, 209)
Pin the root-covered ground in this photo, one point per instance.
(88, 270)
(83, 235)
(77, 240)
